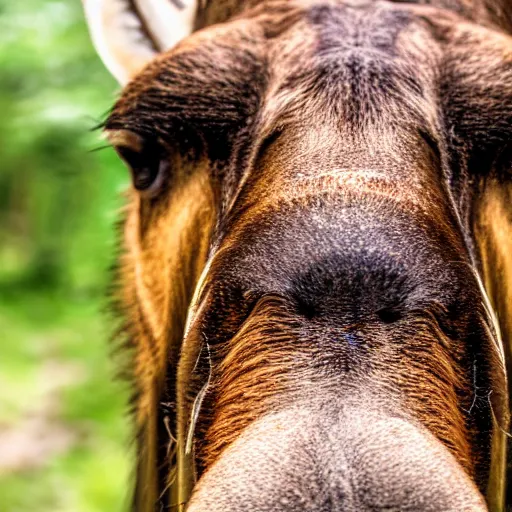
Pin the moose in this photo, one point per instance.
(316, 263)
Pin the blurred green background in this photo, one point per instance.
(64, 432)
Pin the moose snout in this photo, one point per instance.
(325, 459)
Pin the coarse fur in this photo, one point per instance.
(337, 176)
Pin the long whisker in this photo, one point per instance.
(197, 404)
(100, 148)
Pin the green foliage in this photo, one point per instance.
(58, 204)
(56, 196)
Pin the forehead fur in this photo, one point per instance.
(493, 13)
(351, 61)
(355, 67)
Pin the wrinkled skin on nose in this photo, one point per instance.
(331, 458)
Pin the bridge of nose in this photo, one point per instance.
(373, 202)
(350, 107)
(340, 229)
(400, 164)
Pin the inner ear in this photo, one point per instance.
(128, 34)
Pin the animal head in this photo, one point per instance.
(303, 250)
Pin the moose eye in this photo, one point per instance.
(145, 159)
(145, 166)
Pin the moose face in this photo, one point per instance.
(300, 270)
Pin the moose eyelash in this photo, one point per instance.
(125, 139)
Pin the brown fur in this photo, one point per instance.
(261, 117)
(266, 364)
(156, 318)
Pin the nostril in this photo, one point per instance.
(389, 315)
(306, 309)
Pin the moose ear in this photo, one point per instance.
(127, 34)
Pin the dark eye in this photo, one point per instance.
(146, 160)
